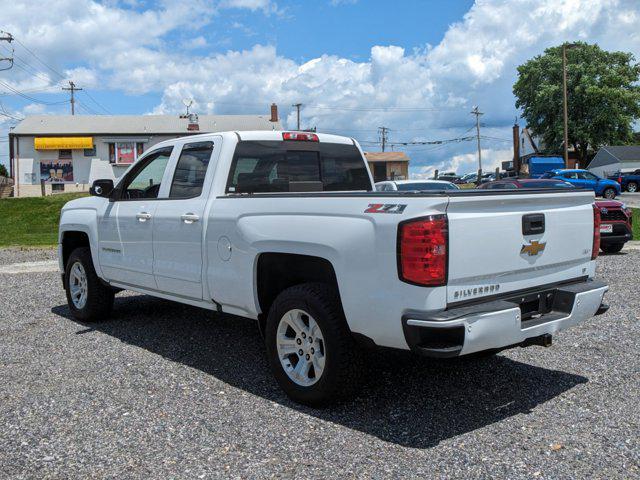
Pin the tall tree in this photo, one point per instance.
(604, 97)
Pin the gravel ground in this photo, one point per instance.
(169, 391)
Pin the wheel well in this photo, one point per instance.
(279, 271)
(71, 241)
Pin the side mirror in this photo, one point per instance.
(101, 188)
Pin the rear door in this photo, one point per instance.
(506, 242)
(178, 222)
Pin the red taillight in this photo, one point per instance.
(422, 251)
(300, 136)
(596, 233)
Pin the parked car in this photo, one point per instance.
(414, 185)
(616, 219)
(515, 183)
(629, 181)
(585, 179)
(448, 177)
(472, 178)
(616, 227)
(286, 228)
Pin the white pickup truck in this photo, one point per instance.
(286, 228)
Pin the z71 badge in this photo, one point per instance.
(385, 208)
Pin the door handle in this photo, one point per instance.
(143, 216)
(189, 218)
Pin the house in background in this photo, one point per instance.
(388, 165)
(66, 153)
(610, 160)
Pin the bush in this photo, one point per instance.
(3, 171)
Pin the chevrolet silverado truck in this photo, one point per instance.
(286, 228)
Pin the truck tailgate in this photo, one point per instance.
(492, 251)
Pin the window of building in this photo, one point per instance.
(64, 154)
(90, 152)
(191, 169)
(125, 153)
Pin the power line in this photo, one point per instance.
(28, 97)
(96, 102)
(6, 37)
(40, 60)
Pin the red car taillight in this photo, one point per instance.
(596, 233)
(423, 251)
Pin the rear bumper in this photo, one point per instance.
(503, 323)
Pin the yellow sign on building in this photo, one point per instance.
(62, 143)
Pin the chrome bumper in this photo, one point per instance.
(503, 323)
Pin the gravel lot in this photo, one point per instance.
(169, 391)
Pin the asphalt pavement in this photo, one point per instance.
(164, 390)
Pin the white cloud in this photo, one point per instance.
(473, 64)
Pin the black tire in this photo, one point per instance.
(342, 360)
(99, 297)
(609, 193)
(612, 247)
(632, 187)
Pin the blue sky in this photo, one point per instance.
(416, 67)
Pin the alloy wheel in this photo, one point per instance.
(300, 347)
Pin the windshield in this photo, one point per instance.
(422, 186)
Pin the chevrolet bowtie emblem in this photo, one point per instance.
(534, 248)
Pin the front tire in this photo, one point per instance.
(310, 349)
(609, 193)
(632, 187)
(612, 248)
(88, 298)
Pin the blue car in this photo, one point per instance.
(603, 187)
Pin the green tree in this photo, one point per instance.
(604, 97)
(3, 171)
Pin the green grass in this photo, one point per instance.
(32, 221)
(636, 223)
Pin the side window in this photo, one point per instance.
(571, 175)
(145, 181)
(191, 169)
(588, 176)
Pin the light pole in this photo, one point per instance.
(565, 46)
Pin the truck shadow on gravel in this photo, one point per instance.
(406, 400)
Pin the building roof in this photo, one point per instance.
(624, 153)
(386, 156)
(138, 124)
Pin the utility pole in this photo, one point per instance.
(6, 37)
(297, 105)
(565, 47)
(477, 113)
(565, 106)
(383, 136)
(72, 88)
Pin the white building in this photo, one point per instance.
(65, 153)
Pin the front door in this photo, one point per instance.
(126, 228)
(178, 224)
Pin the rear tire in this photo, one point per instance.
(88, 298)
(309, 346)
(632, 187)
(612, 248)
(609, 193)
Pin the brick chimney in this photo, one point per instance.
(193, 124)
(274, 112)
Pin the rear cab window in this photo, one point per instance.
(277, 166)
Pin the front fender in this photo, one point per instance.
(80, 220)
